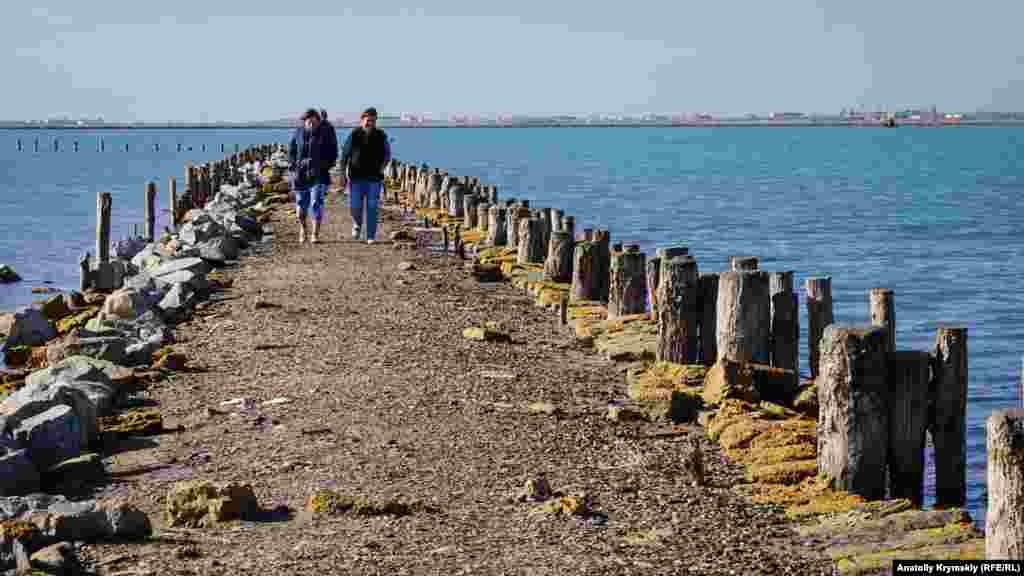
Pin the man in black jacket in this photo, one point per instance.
(312, 152)
(365, 154)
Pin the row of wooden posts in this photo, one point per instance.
(201, 184)
(102, 146)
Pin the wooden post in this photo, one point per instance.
(1004, 519)
(496, 225)
(469, 211)
(708, 317)
(103, 206)
(948, 424)
(563, 309)
(627, 282)
(515, 215)
(84, 281)
(677, 314)
(653, 278)
(172, 187)
(819, 316)
(584, 272)
(556, 220)
(602, 244)
(883, 312)
(455, 202)
(742, 263)
(150, 233)
(531, 242)
(483, 213)
(907, 374)
(785, 324)
(558, 266)
(853, 416)
(569, 225)
(744, 316)
(587, 234)
(543, 215)
(492, 194)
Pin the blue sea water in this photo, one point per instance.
(934, 214)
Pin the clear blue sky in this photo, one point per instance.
(253, 60)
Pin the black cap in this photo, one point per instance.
(310, 113)
(371, 111)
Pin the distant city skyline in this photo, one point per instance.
(237, 61)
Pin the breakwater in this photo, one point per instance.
(721, 347)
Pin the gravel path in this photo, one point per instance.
(388, 400)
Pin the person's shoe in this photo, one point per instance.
(315, 237)
(355, 231)
(302, 235)
(371, 241)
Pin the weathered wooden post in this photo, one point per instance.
(785, 327)
(602, 246)
(853, 416)
(627, 282)
(556, 220)
(496, 225)
(883, 312)
(483, 213)
(1004, 519)
(907, 374)
(531, 241)
(948, 425)
(653, 279)
(150, 231)
(432, 189)
(104, 203)
(587, 234)
(84, 279)
(558, 266)
(516, 213)
(544, 216)
(819, 316)
(677, 294)
(742, 263)
(172, 187)
(744, 316)
(469, 211)
(584, 272)
(569, 225)
(708, 317)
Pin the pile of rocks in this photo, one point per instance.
(52, 419)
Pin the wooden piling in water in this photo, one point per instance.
(172, 188)
(819, 316)
(785, 324)
(531, 242)
(883, 312)
(853, 432)
(1004, 517)
(677, 295)
(602, 257)
(150, 205)
(948, 426)
(653, 280)
(104, 203)
(483, 216)
(708, 317)
(84, 279)
(496, 225)
(627, 282)
(744, 316)
(743, 263)
(584, 272)
(907, 378)
(558, 265)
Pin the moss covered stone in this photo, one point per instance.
(331, 503)
(133, 423)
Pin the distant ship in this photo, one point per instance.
(889, 122)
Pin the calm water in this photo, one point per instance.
(934, 214)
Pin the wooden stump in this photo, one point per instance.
(432, 197)
(492, 194)
(587, 235)
(104, 203)
(708, 319)
(556, 220)
(543, 215)
(531, 242)
(483, 212)
(496, 225)
(455, 202)
(677, 314)
(670, 252)
(627, 282)
(516, 214)
(883, 313)
(853, 413)
(569, 225)
(948, 424)
(150, 211)
(469, 211)
(653, 279)
(819, 316)
(1004, 519)
(584, 271)
(558, 266)
(84, 278)
(907, 374)
(602, 245)
(742, 263)
(744, 316)
(785, 323)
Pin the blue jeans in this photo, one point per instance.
(371, 191)
(314, 193)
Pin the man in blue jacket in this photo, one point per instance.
(312, 152)
(365, 154)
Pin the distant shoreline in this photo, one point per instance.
(540, 124)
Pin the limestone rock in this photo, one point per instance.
(58, 518)
(729, 379)
(26, 327)
(32, 400)
(202, 503)
(219, 250)
(77, 320)
(195, 265)
(534, 490)
(132, 423)
(177, 304)
(97, 379)
(57, 558)
(18, 475)
(124, 304)
(52, 436)
(485, 334)
(332, 503)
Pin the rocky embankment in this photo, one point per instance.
(76, 360)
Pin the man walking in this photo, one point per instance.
(312, 151)
(365, 154)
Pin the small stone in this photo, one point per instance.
(405, 266)
(277, 401)
(57, 558)
(202, 503)
(546, 408)
(485, 334)
(624, 413)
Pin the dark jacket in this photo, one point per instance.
(320, 147)
(366, 153)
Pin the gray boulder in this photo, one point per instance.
(200, 230)
(249, 225)
(147, 258)
(123, 304)
(85, 521)
(177, 304)
(197, 281)
(26, 327)
(127, 249)
(38, 397)
(51, 436)
(219, 251)
(18, 475)
(197, 266)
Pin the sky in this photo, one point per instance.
(229, 60)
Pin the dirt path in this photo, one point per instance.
(388, 400)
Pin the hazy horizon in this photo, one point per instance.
(232, 62)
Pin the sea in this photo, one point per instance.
(935, 214)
